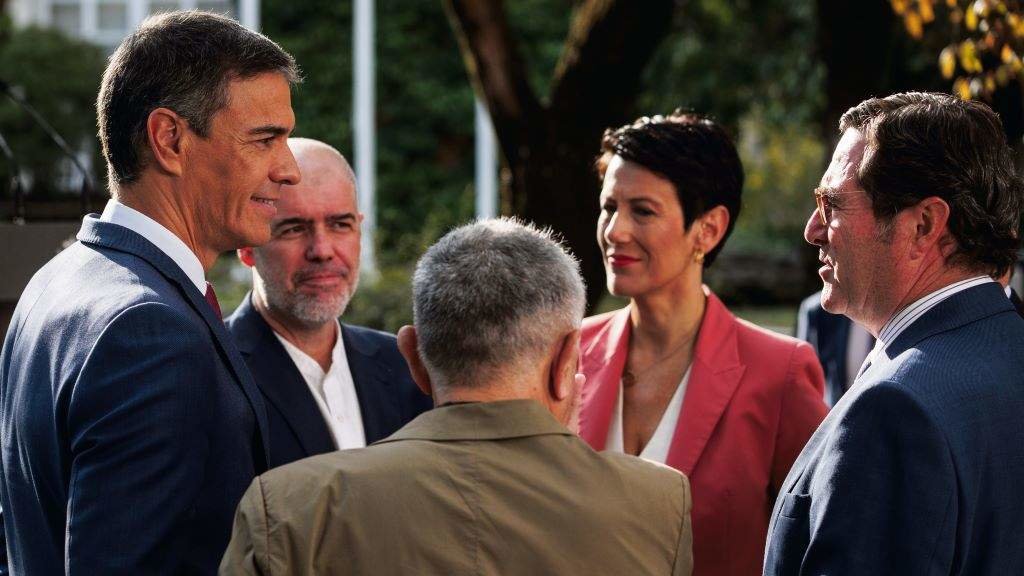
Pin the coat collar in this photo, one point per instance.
(285, 388)
(111, 236)
(714, 376)
(481, 421)
(374, 380)
(954, 312)
(279, 379)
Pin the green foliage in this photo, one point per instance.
(424, 110)
(782, 165)
(747, 63)
(726, 58)
(540, 27)
(60, 78)
(384, 303)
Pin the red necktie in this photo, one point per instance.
(211, 297)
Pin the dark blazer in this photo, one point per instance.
(829, 334)
(917, 469)
(388, 398)
(130, 424)
(1018, 305)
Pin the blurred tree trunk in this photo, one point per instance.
(548, 148)
(861, 45)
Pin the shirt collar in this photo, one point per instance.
(309, 367)
(901, 321)
(162, 238)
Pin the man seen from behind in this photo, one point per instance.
(492, 480)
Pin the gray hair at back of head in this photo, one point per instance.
(491, 295)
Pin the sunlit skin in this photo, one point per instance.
(649, 257)
(219, 192)
(872, 271)
(306, 274)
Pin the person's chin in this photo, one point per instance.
(622, 288)
(257, 233)
(831, 300)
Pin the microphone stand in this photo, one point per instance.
(15, 185)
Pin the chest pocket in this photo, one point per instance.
(790, 536)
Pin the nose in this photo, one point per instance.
(814, 232)
(286, 169)
(616, 229)
(320, 248)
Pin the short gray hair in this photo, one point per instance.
(493, 294)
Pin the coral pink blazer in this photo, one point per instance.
(753, 399)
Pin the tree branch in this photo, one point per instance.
(497, 71)
(609, 44)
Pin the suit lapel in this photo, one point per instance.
(120, 238)
(603, 360)
(373, 386)
(714, 376)
(280, 380)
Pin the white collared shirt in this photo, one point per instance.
(162, 238)
(658, 446)
(334, 392)
(902, 320)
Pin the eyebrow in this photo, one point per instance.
(269, 129)
(297, 220)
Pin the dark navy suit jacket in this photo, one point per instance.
(388, 398)
(829, 334)
(130, 424)
(918, 468)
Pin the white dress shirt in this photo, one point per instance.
(658, 446)
(162, 238)
(902, 320)
(334, 392)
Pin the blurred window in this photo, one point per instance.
(67, 18)
(225, 7)
(112, 17)
(158, 7)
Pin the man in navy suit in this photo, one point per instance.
(327, 385)
(917, 469)
(130, 424)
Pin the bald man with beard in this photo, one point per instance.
(328, 386)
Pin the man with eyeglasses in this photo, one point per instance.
(916, 469)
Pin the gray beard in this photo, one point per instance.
(305, 310)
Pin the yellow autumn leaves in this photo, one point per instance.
(991, 39)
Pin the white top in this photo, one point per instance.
(162, 238)
(859, 343)
(334, 392)
(901, 321)
(657, 447)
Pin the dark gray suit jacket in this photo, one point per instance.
(388, 398)
(918, 468)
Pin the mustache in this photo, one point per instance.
(320, 271)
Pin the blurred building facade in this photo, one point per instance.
(106, 22)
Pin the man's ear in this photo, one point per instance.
(165, 133)
(245, 256)
(408, 346)
(931, 227)
(562, 380)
